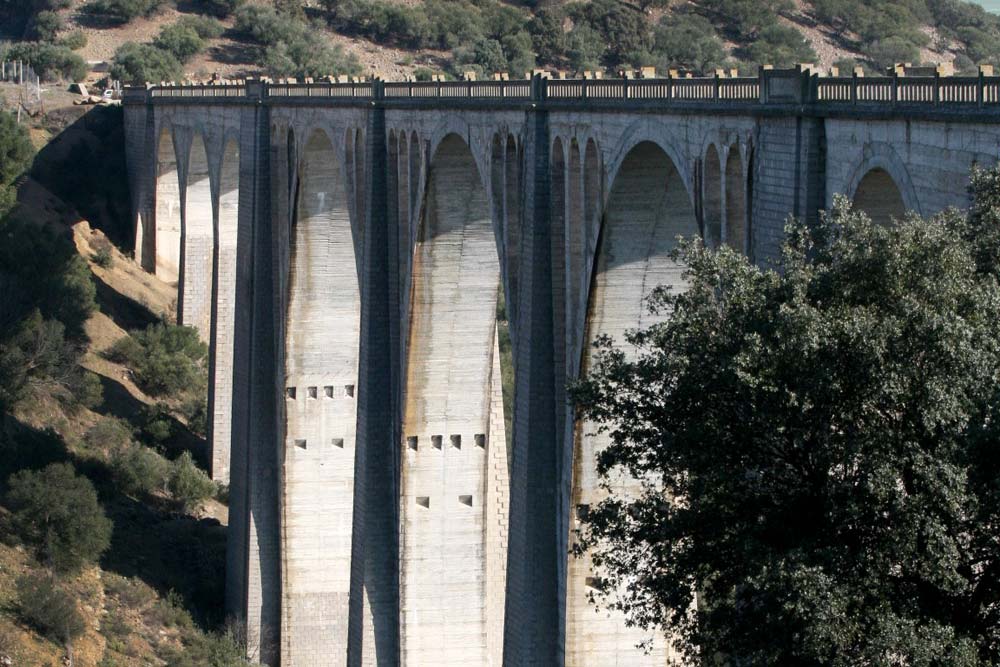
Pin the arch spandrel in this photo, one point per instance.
(880, 155)
(648, 208)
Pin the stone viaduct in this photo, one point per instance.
(363, 257)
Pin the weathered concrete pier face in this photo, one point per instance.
(349, 251)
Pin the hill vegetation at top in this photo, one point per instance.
(155, 40)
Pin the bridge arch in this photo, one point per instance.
(165, 244)
(880, 184)
(712, 196)
(736, 200)
(321, 356)
(453, 461)
(878, 195)
(197, 241)
(224, 310)
(648, 207)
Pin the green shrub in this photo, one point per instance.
(585, 48)
(891, 50)
(142, 63)
(16, 148)
(748, 17)
(195, 412)
(74, 40)
(139, 471)
(207, 28)
(49, 608)
(50, 61)
(688, 41)
(290, 46)
(47, 26)
(547, 35)
(57, 512)
(37, 356)
(782, 46)
(109, 434)
(220, 8)
(131, 592)
(122, 11)
(180, 41)
(167, 359)
(225, 649)
(157, 424)
(423, 74)
(188, 484)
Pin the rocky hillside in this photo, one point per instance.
(173, 39)
(112, 537)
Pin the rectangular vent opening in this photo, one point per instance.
(436, 441)
(456, 441)
(582, 512)
(465, 500)
(311, 392)
(328, 391)
(480, 440)
(301, 444)
(290, 393)
(349, 389)
(424, 501)
(411, 442)
(337, 442)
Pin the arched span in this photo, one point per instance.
(881, 155)
(454, 471)
(198, 241)
(224, 319)
(879, 196)
(736, 195)
(648, 207)
(712, 197)
(322, 326)
(166, 240)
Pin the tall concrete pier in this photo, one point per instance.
(355, 253)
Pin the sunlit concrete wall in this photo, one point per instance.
(197, 242)
(446, 420)
(321, 365)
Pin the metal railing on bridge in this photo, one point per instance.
(798, 86)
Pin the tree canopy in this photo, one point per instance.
(817, 448)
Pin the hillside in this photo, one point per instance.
(94, 379)
(196, 39)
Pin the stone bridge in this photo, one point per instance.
(397, 281)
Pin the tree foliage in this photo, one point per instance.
(167, 359)
(817, 448)
(57, 512)
(142, 63)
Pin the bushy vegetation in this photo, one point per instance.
(50, 608)
(167, 359)
(188, 484)
(837, 498)
(122, 11)
(142, 63)
(57, 513)
(289, 47)
(50, 61)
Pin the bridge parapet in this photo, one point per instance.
(799, 87)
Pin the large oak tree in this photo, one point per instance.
(818, 445)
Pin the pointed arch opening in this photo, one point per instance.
(224, 320)
(736, 215)
(166, 241)
(198, 242)
(648, 208)
(453, 449)
(712, 198)
(880, 197)
(322, 334)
